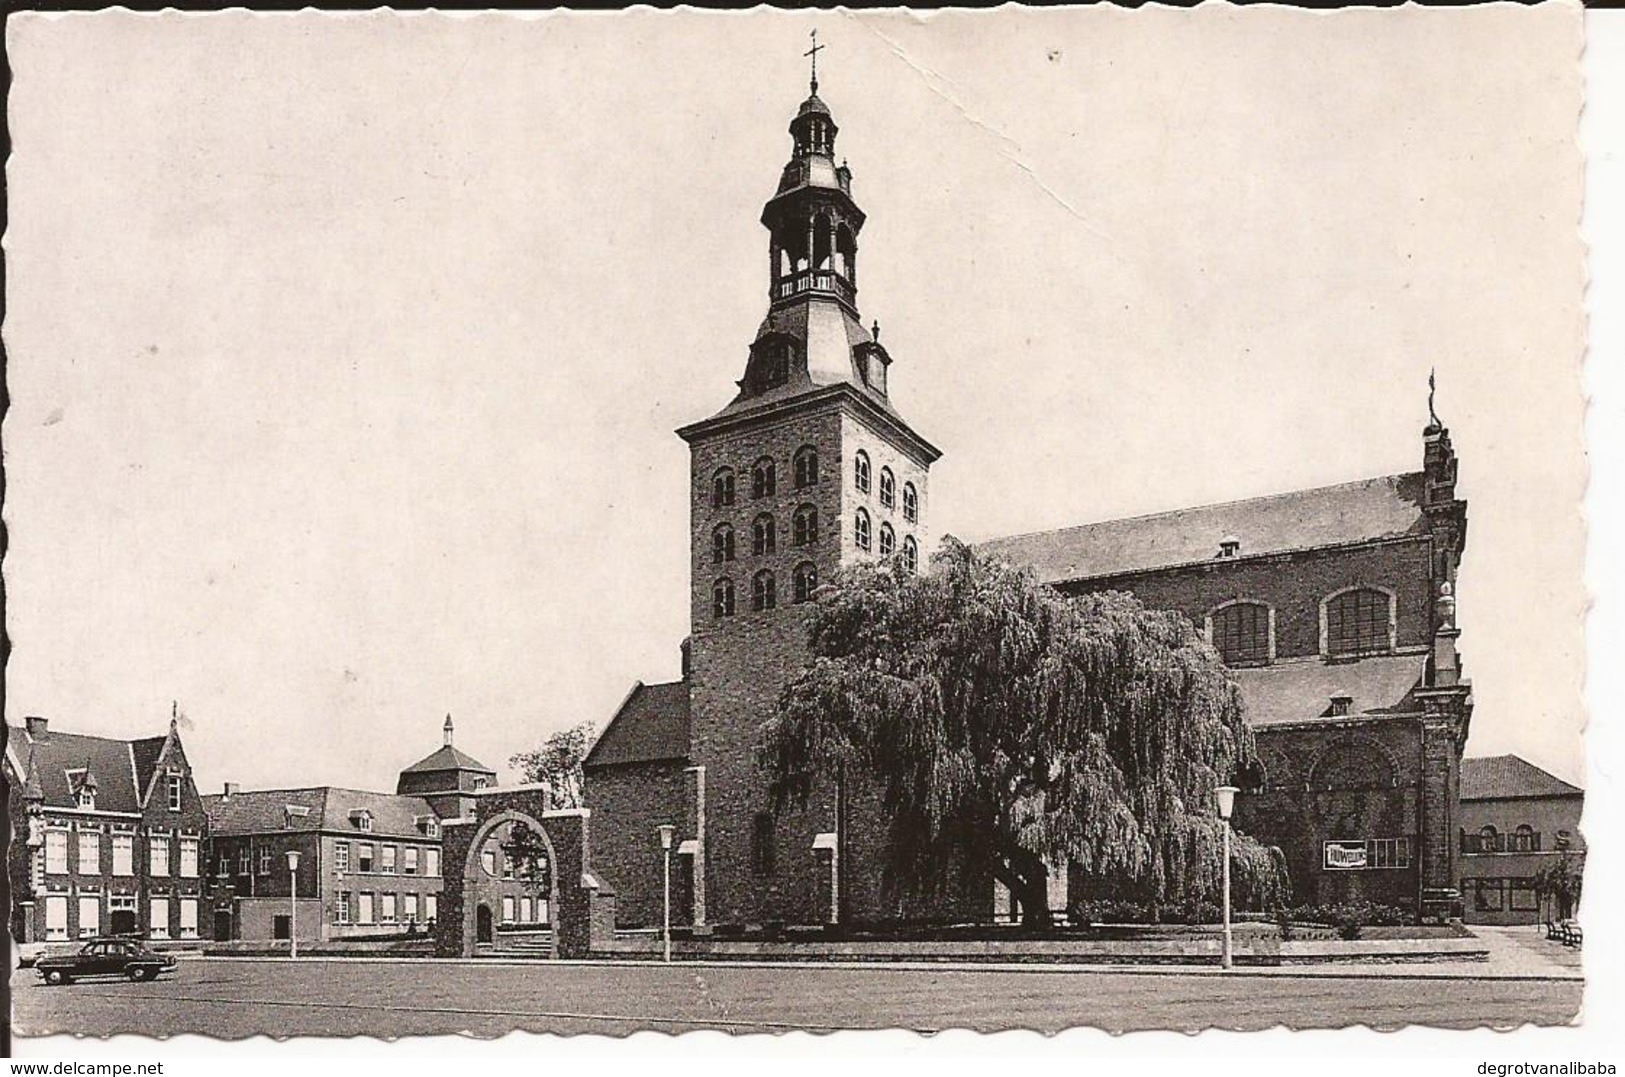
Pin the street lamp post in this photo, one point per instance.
(666, 831)
(293, 903)
(1227, 801)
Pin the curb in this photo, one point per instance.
(1049, 968)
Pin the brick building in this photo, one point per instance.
(369, 863)
(1335, 606)
(107, 835)
(1516, 821)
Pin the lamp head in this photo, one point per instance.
(1226, 795)
(293, 859)
(666, 832)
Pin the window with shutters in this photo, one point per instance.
(806, 581)
(722, 544)
(722, 598)
(805, 529)
(722, 488)
(763, 535)
(763, 592)
(806, 467)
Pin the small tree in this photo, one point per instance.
(1560, 883)
(1011, 724)
(527, 850)
(557, 764)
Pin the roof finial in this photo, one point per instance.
(448, 730)
(813, 52)
(1434, 425)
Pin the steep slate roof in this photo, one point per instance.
(651, 725)
(146, 753)
(447, 758)
(1386, 507)
(1508, 777)
(48, 761)
(265, 811)
(1300, 690)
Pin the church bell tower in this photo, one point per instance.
(809, 468)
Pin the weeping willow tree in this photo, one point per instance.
(1007, 722)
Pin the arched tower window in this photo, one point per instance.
(1359, 620)
(888, 540)
(806, 467)
(762, 592)
(1488, 840)
(860, 529)
(1524, 840)
(1242, 634)
(722, 544)
(722, 598)
(806, 525)
(806, 581)
(846, 252)
(911, 555)
(763, 535)
(762, 478)
(911, 503)
(860, 471)
(722, 488)
(888, 488)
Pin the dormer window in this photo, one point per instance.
(361, 819)
(87, 798)
(1229, 546)
(775, 363)
(291, 812)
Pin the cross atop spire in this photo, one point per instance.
(1434, 425)
(813, 52)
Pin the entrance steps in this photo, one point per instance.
(519, 944)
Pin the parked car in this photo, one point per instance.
(103, 957)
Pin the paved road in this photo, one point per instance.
(236, 998)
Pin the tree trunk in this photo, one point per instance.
(1027, 879)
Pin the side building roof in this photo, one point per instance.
(49, 761)
(652, 725)
(1363, 511)
(325, 808)
(1510, 777)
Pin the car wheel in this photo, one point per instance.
(56, 977)
(139, 973)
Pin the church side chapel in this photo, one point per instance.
(1334, 608)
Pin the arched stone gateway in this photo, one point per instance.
(583, 911)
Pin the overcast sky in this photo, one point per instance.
(345, 353)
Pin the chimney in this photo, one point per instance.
(447, 730)
(687, 649)
(231, 790)
(1341, 704)
(37, 727)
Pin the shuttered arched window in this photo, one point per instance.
(806, 526)
(806, 467)
(722, 544)
(722, 488)
(763, 535)
(763, 592)
(722, 598)
(762, 478)
(806, 581)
